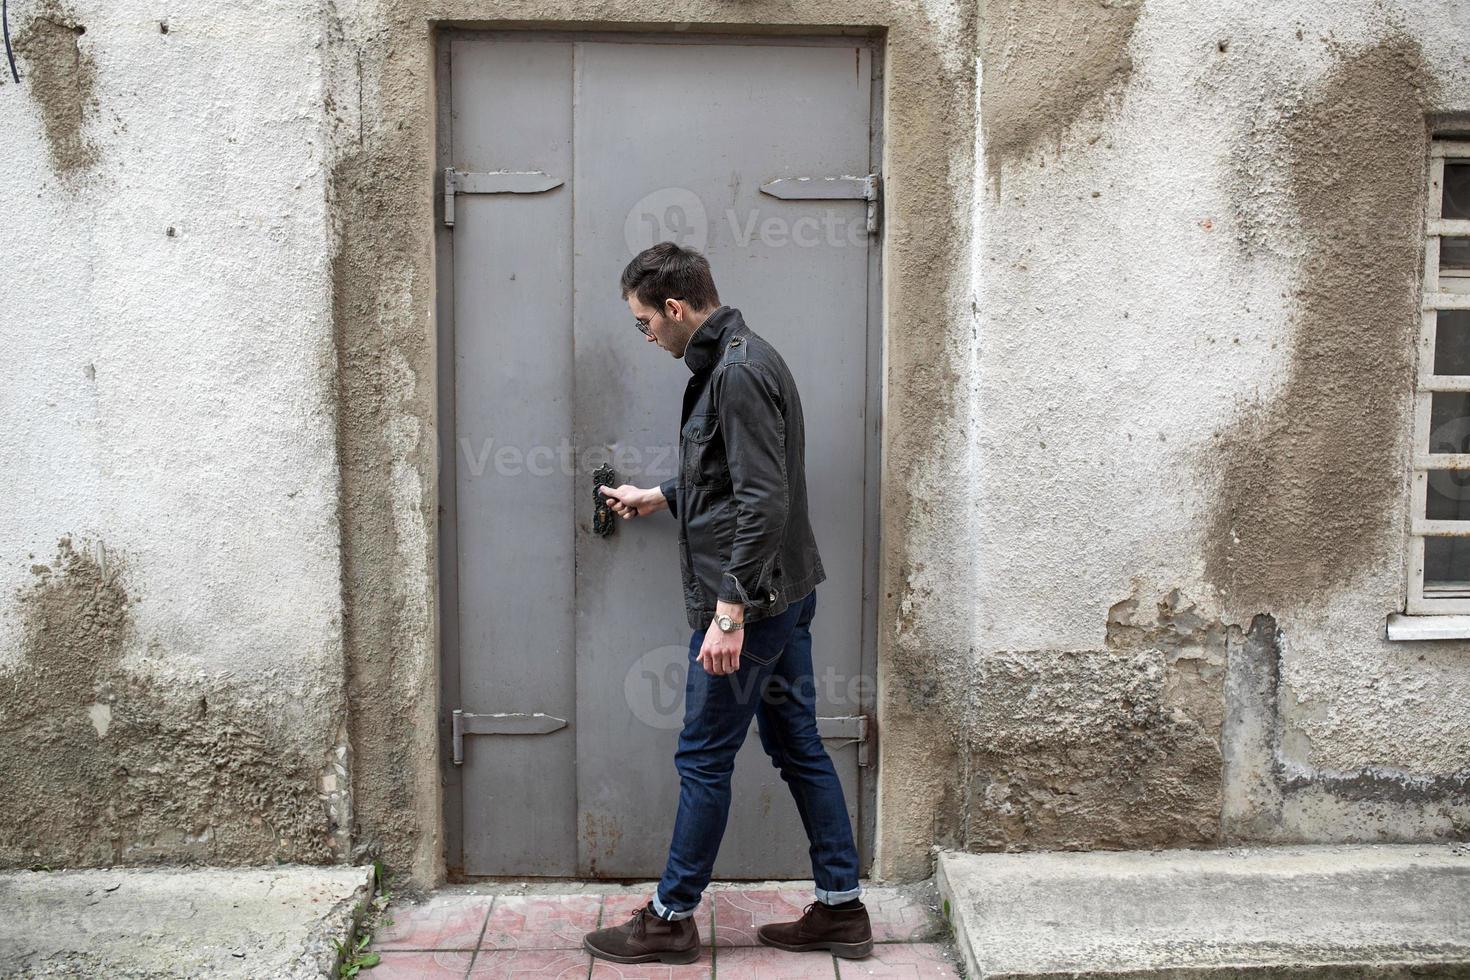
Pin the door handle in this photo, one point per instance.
(602, 515)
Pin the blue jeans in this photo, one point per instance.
(774, 683)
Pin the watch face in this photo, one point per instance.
(725, 623)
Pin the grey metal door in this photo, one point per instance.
(564, 156)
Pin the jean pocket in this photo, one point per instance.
(760, 652)
(755, 658)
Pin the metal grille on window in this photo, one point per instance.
(1439, 557)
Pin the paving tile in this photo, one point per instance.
(526, 964)
(701, 969)
(541, 921)
(898, 918)
(442, 922)
(406, 965)
(767, 963)
(901, 961)
(739, 913)
(617, 908)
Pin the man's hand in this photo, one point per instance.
(720, 653)
(628, 501)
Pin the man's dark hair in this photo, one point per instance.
(666, 271)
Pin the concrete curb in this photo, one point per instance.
(1298, 912)
(273, 921)
(319, 957)
(953, 919)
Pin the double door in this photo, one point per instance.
(565, 649)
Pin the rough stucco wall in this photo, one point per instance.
(1200, 288)
(231, 310)
(1127, 294)
(170, 645)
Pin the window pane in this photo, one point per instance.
(1456, 202)
(1454, 253)
(1448, 496)
(1446, 564)
(1452, 342)
(1449, 422)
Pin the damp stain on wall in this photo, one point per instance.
(1110, 748)
(1046, 66)
(60, 76)
(107, 766)
(1310, 483)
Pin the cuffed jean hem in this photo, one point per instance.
(664, 912)
(837, 898)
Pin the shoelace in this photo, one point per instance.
(640, 928)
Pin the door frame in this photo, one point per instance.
(448, 540)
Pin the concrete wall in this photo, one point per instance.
(1202, 236)
(171, 660)
(1151, 272)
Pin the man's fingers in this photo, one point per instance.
(617, 503)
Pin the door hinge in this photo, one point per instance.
(868, 188)
(509, 723)
(493, 182)
(853, 729)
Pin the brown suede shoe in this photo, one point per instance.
(646, 938)
(845, 932)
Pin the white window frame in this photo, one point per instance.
(1447, 292)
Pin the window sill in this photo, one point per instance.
(1403, 627)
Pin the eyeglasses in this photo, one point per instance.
(643, 325)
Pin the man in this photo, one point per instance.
(751, 569)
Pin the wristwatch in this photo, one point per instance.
(728, 625)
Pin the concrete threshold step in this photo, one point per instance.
(152, 923)
(1345, 911)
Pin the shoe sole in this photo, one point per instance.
(848, 951)
(671, 956)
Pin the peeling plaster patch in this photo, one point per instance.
(101, 715)
(1178, 733)
(103, 766)
(1271, 797)
(1045, 66)
(61, 77)
(1311, 484)
(1104, 749)
(1253, 795)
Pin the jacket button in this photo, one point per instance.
(773, 597)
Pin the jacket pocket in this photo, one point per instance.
(705, 467)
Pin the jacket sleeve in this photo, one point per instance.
(755, 450)
(670, 488)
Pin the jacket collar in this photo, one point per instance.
(708, 341)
